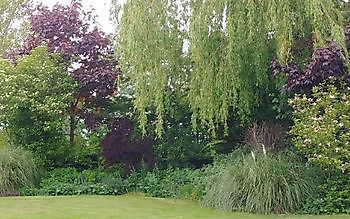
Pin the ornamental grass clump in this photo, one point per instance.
(17, 169)
(259, 183)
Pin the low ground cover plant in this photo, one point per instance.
(70, 181)
(174, 183)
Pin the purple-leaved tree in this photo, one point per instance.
(326, 62)
(120, 147)
(88, 51)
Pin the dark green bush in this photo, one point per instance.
(40, 134)
(180, 183)
(183, 154)
(73, 176)
(69, 181)
(85, 157)
(264, 184)
(17, 169)
(181, 148)
(333, 196)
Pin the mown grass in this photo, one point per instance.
(120, 207)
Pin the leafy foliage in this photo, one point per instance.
(147, 31)
(183, 153)
(119, 146)
(17, 169)
(68, 30)
(262, 183)
(69, 181)
(39, 80)
(11, 12)
(217, 52)
(326, 62)
(40, 134)
(333, 196)
(34, 95)
(321, 126)
(180, 183)
(85, 157)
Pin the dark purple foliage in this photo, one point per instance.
(347, 36)
(119, 146)
(326, 62)
(68, 30)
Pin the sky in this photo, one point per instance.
(101, 10)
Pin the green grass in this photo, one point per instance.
(120, 207)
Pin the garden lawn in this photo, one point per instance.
(120, 207)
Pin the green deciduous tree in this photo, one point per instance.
(34, 95)
(215, 53)
(11, 12)
(151, 42)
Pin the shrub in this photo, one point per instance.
(35, 93)
(85, 157)
(181, 146)
(17, 169)
(321, 128)
(183, 153)
(181, 183)
(120, 147)
(333, 196)
(326, 62)
(264, 184)
(38, 133)
(69, 181)
(73, 176)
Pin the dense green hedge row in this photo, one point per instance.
(180, 183)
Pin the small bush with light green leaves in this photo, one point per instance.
(321, 128)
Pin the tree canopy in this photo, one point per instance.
(217, 53)
(34, 96)
(38, 81)
(88, 52)
(10, 15)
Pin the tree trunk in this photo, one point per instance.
(72, 129)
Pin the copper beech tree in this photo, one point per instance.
(70, 31)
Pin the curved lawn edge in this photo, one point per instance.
(123, 207)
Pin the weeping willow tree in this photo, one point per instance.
(150, 44)
(229, 45)
(11, 12)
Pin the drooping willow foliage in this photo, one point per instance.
(11, 25)
(150, 44)
(217, 52)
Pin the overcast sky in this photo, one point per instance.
(101, 10)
